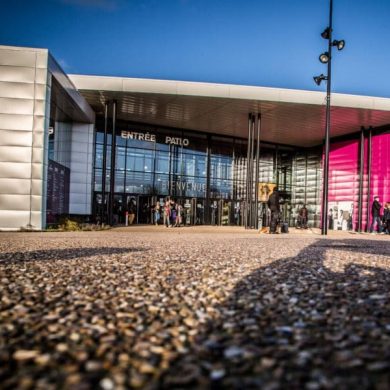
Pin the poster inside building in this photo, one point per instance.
(340, 215)
(265, 190)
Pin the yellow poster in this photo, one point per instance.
(265, 190)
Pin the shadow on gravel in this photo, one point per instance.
(306, 322)
(63, 254)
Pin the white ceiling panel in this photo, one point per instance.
(289, 117)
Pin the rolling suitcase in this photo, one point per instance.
(272, 226)
(284, 228)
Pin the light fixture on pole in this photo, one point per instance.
(326, 58)
(318, 79)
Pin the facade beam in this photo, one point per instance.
(257, 171)
(369, 163)
(112, 170)
(104, 203)
(361, 178)
(247, 172)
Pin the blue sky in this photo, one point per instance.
(274, 43)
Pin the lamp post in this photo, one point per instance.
(326, 58)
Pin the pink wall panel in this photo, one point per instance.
(380, 168)
(344, 173)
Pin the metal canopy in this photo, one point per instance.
(291, 117)
(67, 103)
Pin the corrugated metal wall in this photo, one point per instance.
(24, 111)
(344, 173)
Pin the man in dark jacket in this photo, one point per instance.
(386, 218)
(303, 217)
(273, 204)
(376, 214)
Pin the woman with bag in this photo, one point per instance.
(157, 215)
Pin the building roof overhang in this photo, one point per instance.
(292, 117)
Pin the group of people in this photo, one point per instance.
(171, 213)
(274, 206)
(382, 222)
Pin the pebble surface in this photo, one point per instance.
(183, 308)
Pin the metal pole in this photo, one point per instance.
(361, 177)
(104, 205)
(247, 171)
(112, 170)
(257, 171)
(208, 192)
(369, 153)
(251, 172)
(325, 186)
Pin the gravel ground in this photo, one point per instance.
(182, 308)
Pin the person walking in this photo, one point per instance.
(157, 215)
(167, 213)
(274, 206)
(179, 209)
(131, 208)
(173, 213)
(303, 217)
(376, 215)
(386, 218)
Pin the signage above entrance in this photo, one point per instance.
(153, 138)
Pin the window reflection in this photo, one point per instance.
(143, 167)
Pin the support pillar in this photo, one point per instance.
(257, 171)
(361, 178)
(208, 192)
(247, 187)
(369, 163)
(112, 170)
(104, 204)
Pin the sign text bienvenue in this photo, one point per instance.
(152, 138)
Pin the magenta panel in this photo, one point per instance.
(344, 173)
(380, 168)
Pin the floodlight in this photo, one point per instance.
(325, 34)
(339, 44)
(324, 57)
(318, 79)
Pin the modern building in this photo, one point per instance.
(187, 140)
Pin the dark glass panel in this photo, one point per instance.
(120, 156)
(119, 181)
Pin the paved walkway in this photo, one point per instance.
(152, 307)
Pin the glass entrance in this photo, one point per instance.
(145, 209)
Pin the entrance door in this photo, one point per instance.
(145, 209)
(199, 211)
(237, 220)
(188, 211)
(215, 212)
(118, 213)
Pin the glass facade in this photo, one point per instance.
(204, 172)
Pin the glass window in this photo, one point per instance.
(120, 158)
(108, 176)
(220, 188)
(99, 137)
(161, 184)
(98, 180)
(162, 162)
(120, 141)
(139, 182)
(108, 157)
(99, 156)
(119, 181)
(135, 143)
(221, 167)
